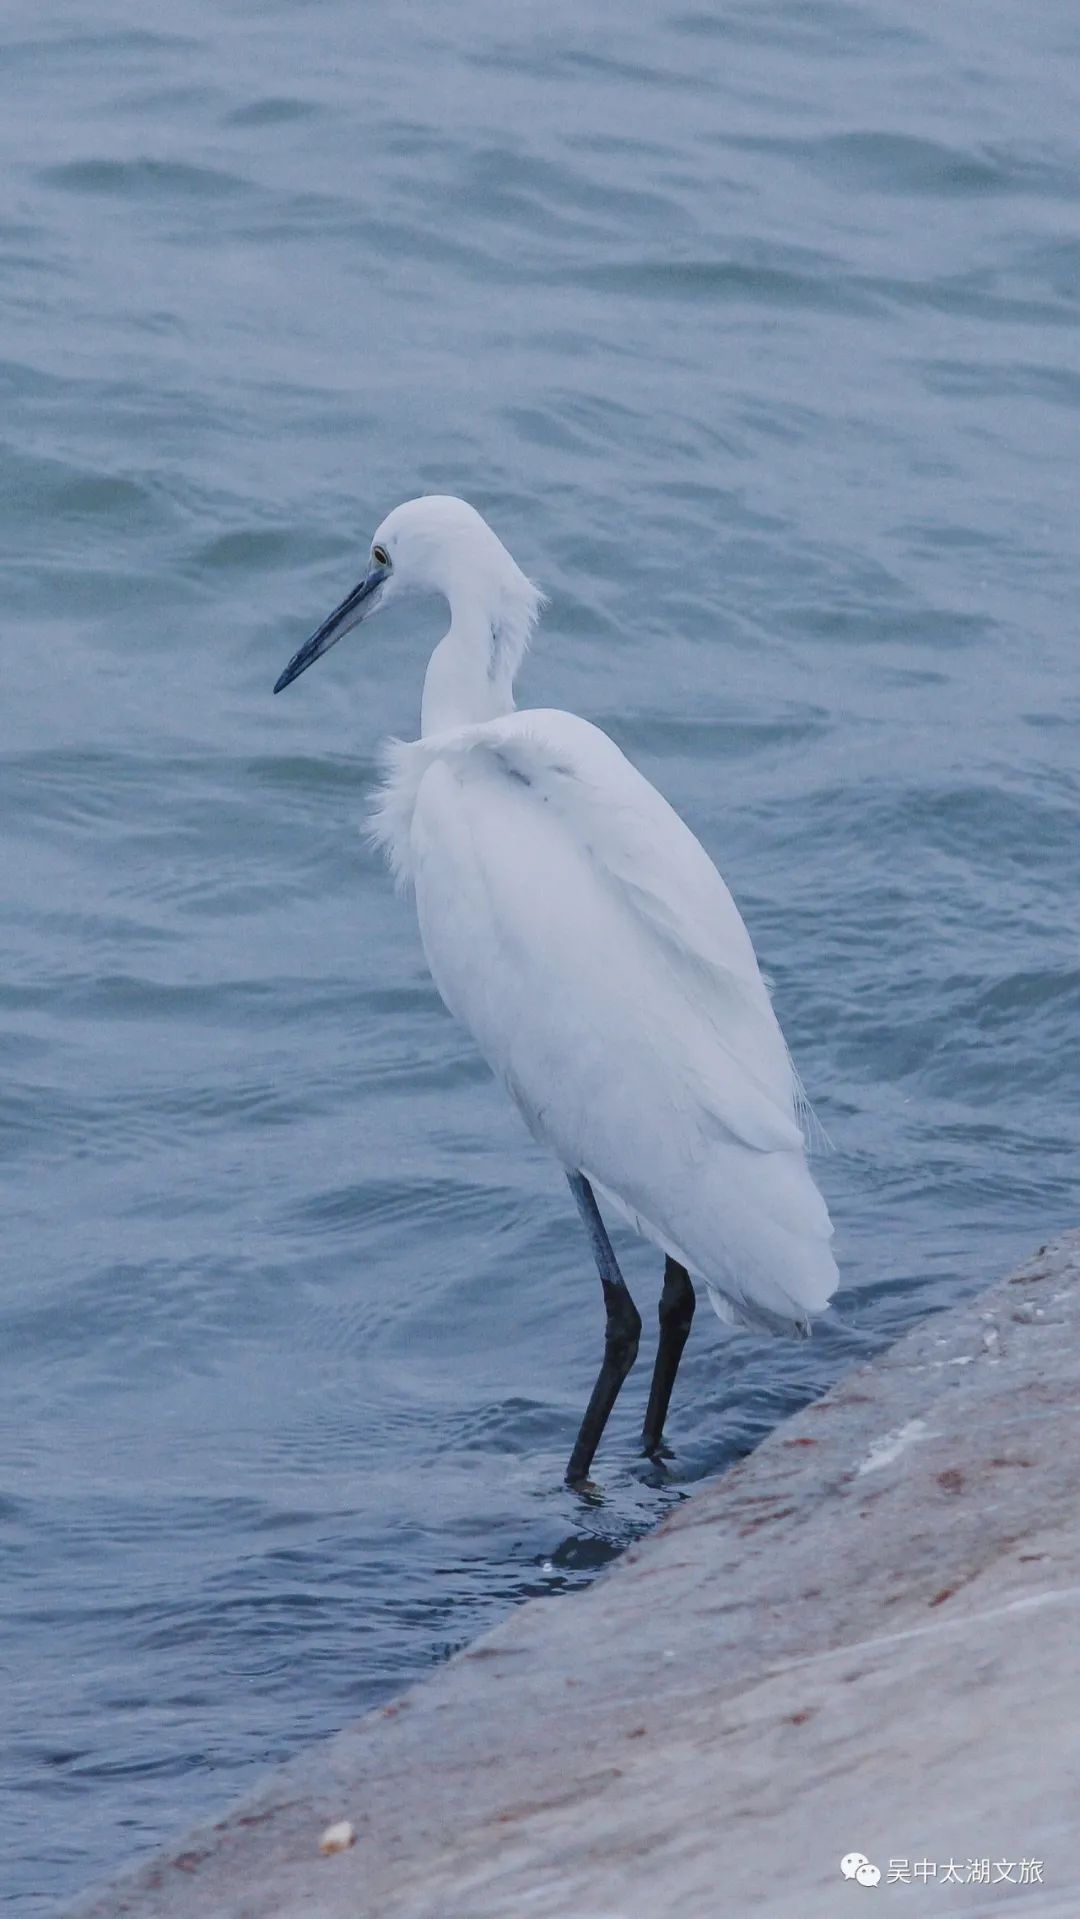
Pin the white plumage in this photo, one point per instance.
(580, 932)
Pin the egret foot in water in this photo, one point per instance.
(677, 1302)
(620, 1339)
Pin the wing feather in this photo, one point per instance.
(579, 930)
(642, 848)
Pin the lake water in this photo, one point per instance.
(754, 331)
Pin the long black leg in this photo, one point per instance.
(677, 1302)
(620, 1339)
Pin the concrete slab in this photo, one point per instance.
(864, 1638)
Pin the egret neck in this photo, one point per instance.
(470, 676)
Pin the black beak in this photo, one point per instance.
(359, 603)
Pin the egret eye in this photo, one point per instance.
(380, 556)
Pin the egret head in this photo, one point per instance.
(435, 544)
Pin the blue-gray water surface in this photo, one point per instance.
(754, 331)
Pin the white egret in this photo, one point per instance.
(575, 926)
